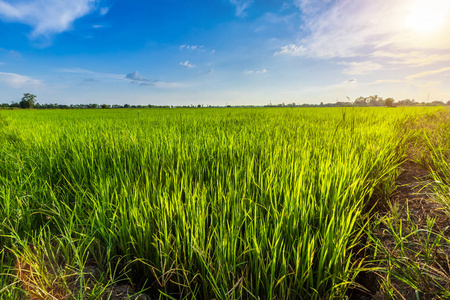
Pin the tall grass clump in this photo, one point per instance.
(198, 203)
(438, 142)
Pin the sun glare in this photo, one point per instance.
(428, 15)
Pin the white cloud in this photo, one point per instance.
(97, 26)
(47, 17)
(241, 6)
(18, 81)
(187, 64)
(249, 72)
(428, 73)
(358, 68)
(354, 28)
(291, 50)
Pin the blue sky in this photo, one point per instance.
(222, 52)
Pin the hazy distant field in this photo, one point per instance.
(207, 203)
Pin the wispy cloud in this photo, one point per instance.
(92, 74)
(104, 11)
(312, 6)
(14, 54)
(17, 81)
(187, 64)
(358, 68)
(11, 53)
(241, 6)
(415, 58)
(341, 87)
(348, 84)
(291, 50)
(250, 72)
(191, 47)
(136, 77)
(428, 73)
(46, 17)
(389, 81)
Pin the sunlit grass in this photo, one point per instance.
(206, 203)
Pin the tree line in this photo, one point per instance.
(29, 101)
(374, 100)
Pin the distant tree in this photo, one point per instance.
(105, 106)
(340, 104)
(406, 102)
(360, 101)
(448, 102)
(14, 104)
(28, 101)
(389, 102)
(126, 106)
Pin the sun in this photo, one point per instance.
(428, 16)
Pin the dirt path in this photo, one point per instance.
(413, 188)
(412, 194)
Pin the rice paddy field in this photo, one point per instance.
(225, 203)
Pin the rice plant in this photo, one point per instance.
(196, 203)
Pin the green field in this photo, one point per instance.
(225, 203)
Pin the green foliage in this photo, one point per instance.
(28, 101)
(438, 145)
(389, 102)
